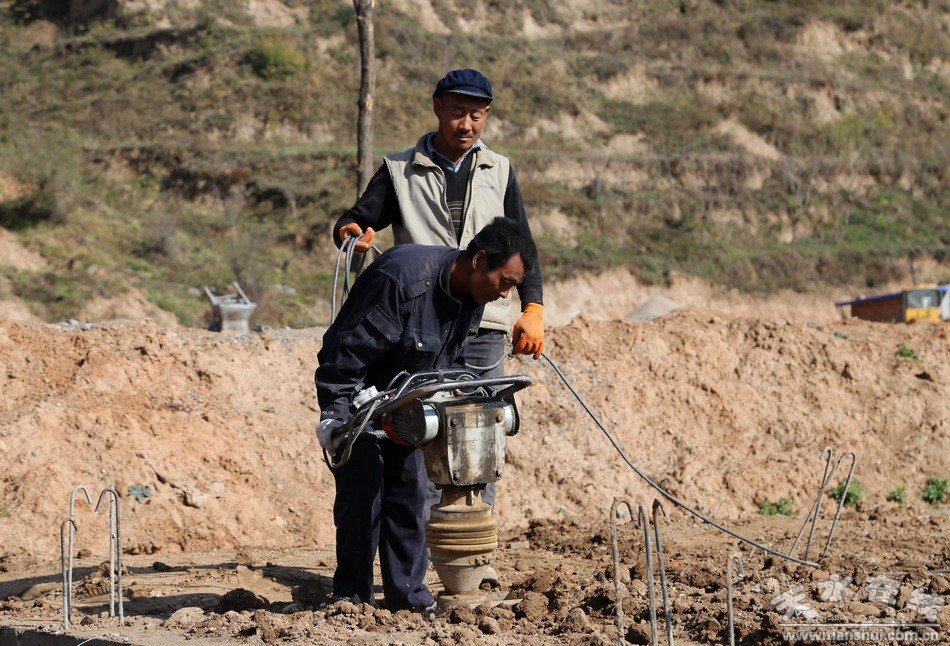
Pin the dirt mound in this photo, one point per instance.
(214, 432)
(208, 438)
(654, 307)
(218, 429)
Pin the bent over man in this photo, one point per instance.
(412, 310)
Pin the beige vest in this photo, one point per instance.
(420, 189)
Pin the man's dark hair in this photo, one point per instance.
(500, 240)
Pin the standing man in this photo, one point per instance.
(411, 310)
(442, 192)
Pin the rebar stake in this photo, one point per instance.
(644, 523)
(734, 559)
(815, 510)
(844, 496)
(115, 549)
(66, 552)
(615, 556)
(661, 562)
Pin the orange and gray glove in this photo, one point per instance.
(528, 334)
(353, 229)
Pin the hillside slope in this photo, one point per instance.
(163, 146)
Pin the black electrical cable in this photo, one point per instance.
(345, 248)
(348, 248)
(663, 492)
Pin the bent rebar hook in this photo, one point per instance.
(815, 511)
(115, 550)
(844, 496)
(66, 553)
(72, 500)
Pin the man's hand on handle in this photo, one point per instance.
(326, 435)
(528, 334)
(353, 229)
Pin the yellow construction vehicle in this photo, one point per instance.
(905, 306)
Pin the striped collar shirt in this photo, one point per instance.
(444, 161)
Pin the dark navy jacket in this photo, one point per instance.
(399, 316)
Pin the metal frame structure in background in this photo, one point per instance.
(231, 312)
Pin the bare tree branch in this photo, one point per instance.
(364, 137)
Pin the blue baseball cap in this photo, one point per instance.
(468, 82)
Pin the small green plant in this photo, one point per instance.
(781, 508)
(898, 495)
(140, 492)
(906, 353)
(852, 494)
(935, 491)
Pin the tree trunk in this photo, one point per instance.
(364, 135)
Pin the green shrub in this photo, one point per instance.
(27, 211)
(855, 130)
(50, 165)
(59, 297)
(854, 493)
(189, 309)
(935, 490)
(898, 495)
(275, 59)
(781, 508)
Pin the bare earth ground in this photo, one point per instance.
(225, 500)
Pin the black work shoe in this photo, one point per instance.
(424, 610)
(429, 611)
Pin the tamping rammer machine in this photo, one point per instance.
(461, 422)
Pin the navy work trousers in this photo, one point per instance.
(380, 496)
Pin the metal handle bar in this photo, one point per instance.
(389, 400)
(400, 398)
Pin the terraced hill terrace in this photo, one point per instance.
(161, 146)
